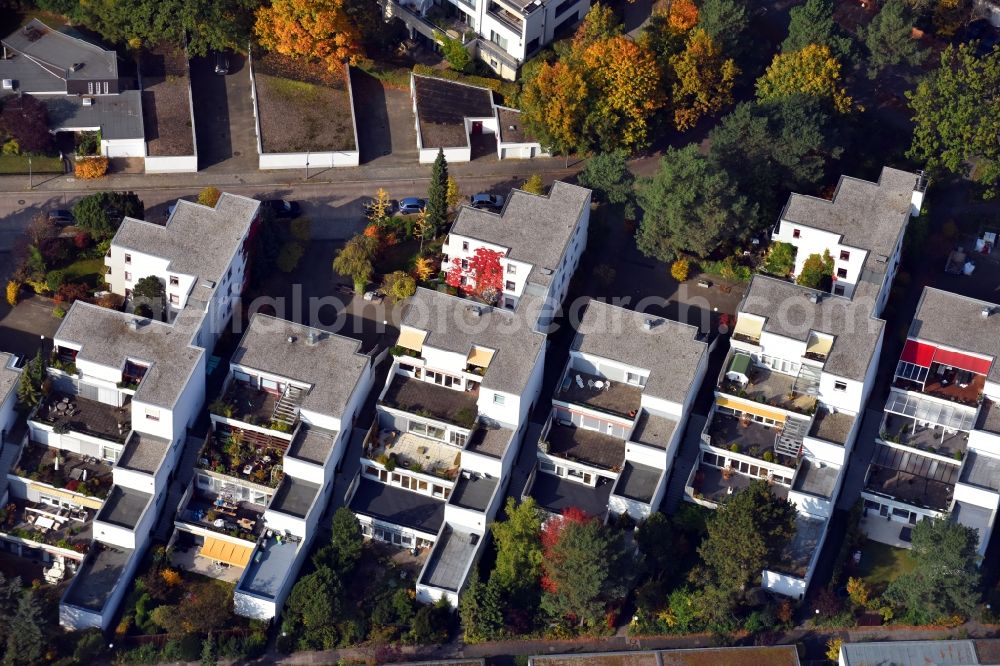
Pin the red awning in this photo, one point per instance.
(918, 353)
(980, 366)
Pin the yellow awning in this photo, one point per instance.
(749, 326)
(481, 357)
(819, 344)
(88, 502)
(754, 408)
(226, 552)
(411, 338)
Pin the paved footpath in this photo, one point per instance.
(621, 642)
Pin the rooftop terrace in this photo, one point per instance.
(416, 453)
(97, 577)
(239, 519)
(746, 437)
(903, 430)
(90, 417)
(397, 506)
(60, 527)
(715, 485)
(124, 507)
(556, 494)
(911, 477)
(242, 455)
(432, 401)
(959, 386)
(769, 387)
(598, 393)
(450, 560)
(586, 446)
(75, 473)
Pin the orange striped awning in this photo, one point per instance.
(227, 552)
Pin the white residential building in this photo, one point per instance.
(10, 377)
(508, 32)
(540, 238)
(449, 423)
(938, 448)
(92, 476)
(802, 364)
(266, 472)
(200, 256)
(619, 413)
(80, 84)
(102, 448)
(862, 228)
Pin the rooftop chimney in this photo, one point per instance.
(290, 339)
(312, 338)
(647, 325)
(985, 313)
(814, 297)
(133, 324)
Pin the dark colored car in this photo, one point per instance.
(280, 208)
(368, 205)
(487, 201)
(411, 205)
(61, 217)
(221, 63)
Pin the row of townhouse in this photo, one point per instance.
(465, 377)
(94, 470)
(618, 413)
(937, 450)
(802, 363)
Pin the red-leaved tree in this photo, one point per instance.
(483, 276)
(551, 533)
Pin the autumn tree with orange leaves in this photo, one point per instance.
(703, 80)
(315, 29)
(683, 15)
(600, 95)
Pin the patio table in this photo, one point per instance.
(45, 523)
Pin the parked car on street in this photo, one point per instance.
(411, 205)
(487, 201)
(280, 208)
(61, 217)
(221, 63)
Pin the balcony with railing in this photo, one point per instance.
(505, 17)
(66, 413)
(742, 378)
(243, 456)
(600, 394)
(241, 401)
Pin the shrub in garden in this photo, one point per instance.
(58, 312)
(13, 292)
(72, 291)
(680, 269)
(209, 196)
(55, 279)
(289, 257)
(90, 168)
(81, 240)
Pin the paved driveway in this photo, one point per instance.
(223, 116)
(386, 132)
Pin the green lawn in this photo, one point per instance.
(14, 164)
(85, 270)
(881, 564)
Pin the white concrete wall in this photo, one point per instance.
(252, 606)
(823, 450)
(618, 505)
(976, 495)
(123, 147)
(811, 504)
(171, 164)
(129, 478)
(850, 399)
(319, 160)
(987, 442)
(784, 584)
(428, 155)
(469, 519)
(282, 521)
(114, 535)
(477, 462)
(76, 618)
(648, 455)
